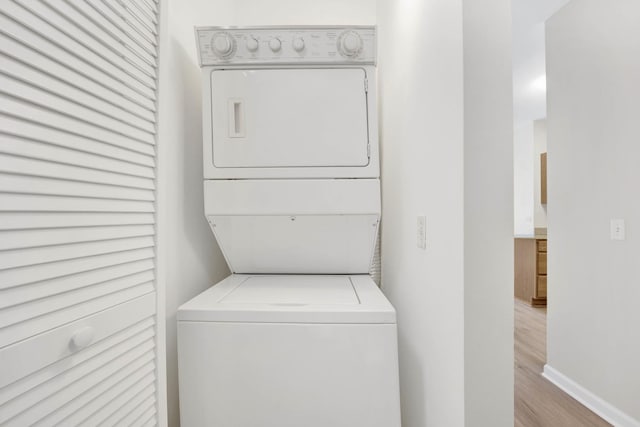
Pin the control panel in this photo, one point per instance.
(286, 45)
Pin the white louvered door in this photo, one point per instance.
(78, 88)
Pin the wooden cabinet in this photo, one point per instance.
(530, 270)
(540, 294)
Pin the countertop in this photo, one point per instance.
(531, 236)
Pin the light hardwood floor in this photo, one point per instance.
(538, 403)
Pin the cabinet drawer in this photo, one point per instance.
(542, 246)
(542, 263)
(45, 377)
(541, 287)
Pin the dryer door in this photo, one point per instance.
(279, 118)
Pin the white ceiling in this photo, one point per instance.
(529, 96)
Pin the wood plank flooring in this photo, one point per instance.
(539, 403)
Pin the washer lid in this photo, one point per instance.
(293, 290)
(291, 299)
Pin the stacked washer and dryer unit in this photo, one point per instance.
(299, 335)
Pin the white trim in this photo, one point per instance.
(161, 206)
(604, 409)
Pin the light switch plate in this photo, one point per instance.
(617, 229)
(422, 232)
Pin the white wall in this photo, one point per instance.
(523, 155)
(488, 213)
(529, 96)
(593, 65)
(539, 147)
(194, 261)
(427, 149)
(421, 97)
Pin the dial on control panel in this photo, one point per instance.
(298, 44)
(252, 44)
(350, 44)
(275, 44)
(223, 45)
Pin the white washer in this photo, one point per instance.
(299, 334)
(289, 351)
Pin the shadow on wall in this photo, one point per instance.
(413, 379)
(194, 259)
(192, 187)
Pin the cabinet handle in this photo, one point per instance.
(81, 338)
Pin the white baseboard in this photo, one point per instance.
(604, 409)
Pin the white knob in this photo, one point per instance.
(298, 44)
(350, 43)
(252, 44)
(82, 338)
(222, 45)
(275, 44)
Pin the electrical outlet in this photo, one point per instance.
(422, 232)
(617, 229)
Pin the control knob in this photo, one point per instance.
(350, 44)
(252, 44)
(223, 45)
(275, 44)
(298, 44)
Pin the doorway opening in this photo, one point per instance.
(538, 402)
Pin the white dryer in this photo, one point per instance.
(299, 334)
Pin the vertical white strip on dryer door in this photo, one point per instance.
(78, 222)
(236, 118)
